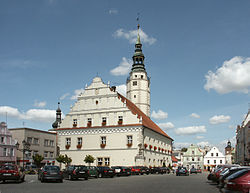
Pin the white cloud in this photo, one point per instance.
(190, 130)
(181, 145)
(194, 115)
(123, 68)
(113, 11)
(219, 119)
(166, 126)
(232, 76)
(203, 143)
(64, 96)
(77, 92)
(132, 36)
(199, 137)
(159, 115)
(122, 89)
(40, 115)
(39, 104)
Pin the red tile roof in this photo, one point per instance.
(146, 121)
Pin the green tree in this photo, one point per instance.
(38, 159)
(89, 159)
(184, 149)
(67, 160)
(60, 159)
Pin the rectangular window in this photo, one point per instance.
(103, 140)
(79, 141)
(208, 161)
(106, 161)
(134, 83)
(74, 122)
(99, 161)
(46, 142)
(120, 120)
(45, 154)
(215, 161)
(220, 161)
(51, 143)
(36, 141)
(129, 139)
(29, 155)
(29, 140)
(217, 154)
(11, 152)
(187, 159)
(35, 152)
(68, 141)
(104, 121)
(51, 154)
(2, 140)
(5, 151)
(198, 159)
(212, 154)
(89, 122)
(193, 159)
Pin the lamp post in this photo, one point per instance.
(26, 147)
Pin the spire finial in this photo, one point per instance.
(138, 28)
(137, 19)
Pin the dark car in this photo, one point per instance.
(199, 170)
(239, 181)
(50, 173)
(182, 171)
(93, 171)
(75, 172)
(105, 171)
(193, 171)
(11, 172)
(157, 170)
(145, 170)
(121, 170)
(165, 170)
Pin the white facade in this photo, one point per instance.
(106, 125)
(138, 90)
(213, 158)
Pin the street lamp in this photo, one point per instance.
(26, 147)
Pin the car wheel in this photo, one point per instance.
(86, 178)
(3, 181)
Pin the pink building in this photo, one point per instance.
(7, 145)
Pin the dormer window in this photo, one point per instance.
(74, 122)
(134, 83)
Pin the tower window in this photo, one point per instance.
(135, 76)
(141, 76)
(134, 96)
(134, 83)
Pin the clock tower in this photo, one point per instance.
(138, 82)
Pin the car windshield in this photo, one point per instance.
(52, 168)
(8, 167)
(80, 168)
(238, 174)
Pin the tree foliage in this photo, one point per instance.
(184, 149)
(89, 159)
(38, 159)
(64, 159)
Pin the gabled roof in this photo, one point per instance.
(146, 121)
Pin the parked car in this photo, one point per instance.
(239, 181)
(105, 171)
(182, 171)
(145, 170)
(156, 170)
(199, 170)
(193, 171)
(93, 171)
(11, 172)
(165, 170)
(229, 172)
(50, 173)
(121, 171)
(75, 172)
(135, 170)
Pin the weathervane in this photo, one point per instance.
(137, 19)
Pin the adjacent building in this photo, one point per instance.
(243, 141)
(32, 142)
(213, 158)
(115, 129)
(7, 145)
(193, 157)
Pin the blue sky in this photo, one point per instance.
(197, 55)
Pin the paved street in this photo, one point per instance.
(195, 183)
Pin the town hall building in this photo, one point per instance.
(114, 129)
